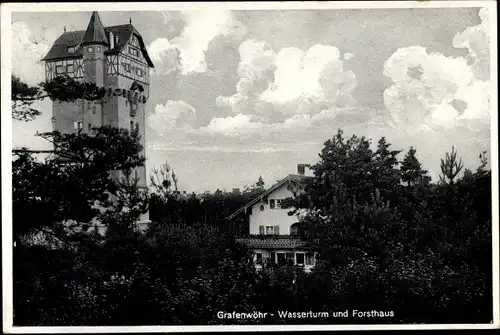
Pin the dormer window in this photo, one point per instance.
(133, 51)
(72, 49)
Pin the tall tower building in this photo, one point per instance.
(114, 58)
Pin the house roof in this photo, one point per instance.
(59, 49)
(273, 242)
(291, 178)
(95, 33)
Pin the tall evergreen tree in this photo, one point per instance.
(411, 170)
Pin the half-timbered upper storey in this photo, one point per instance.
(125, 52)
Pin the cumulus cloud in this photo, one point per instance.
(172, 116)
(232, 125)
(433, 91)
(201, 27)
(27, 52)
(477, 41)
(166, 56)
(276, 86)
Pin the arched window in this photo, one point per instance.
(295, 228)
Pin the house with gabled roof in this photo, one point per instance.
(273, 235)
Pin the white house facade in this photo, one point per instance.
(273, 235)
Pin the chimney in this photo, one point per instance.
(301, 169)
(111, 40)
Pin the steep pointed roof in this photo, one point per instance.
(95, 33)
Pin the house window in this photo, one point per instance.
(272, 258)
(78, 125)
(299, 258)
(258, 258)
(278, 203)
(310, 258)
(281, 260)
(272, 204)
(126, 67)
(290, 259)
(131, 126)
(90, 126)
(139, 72)
(294, 229)
(90, 49)
(70, 68)
(269, 230)
(98, 48)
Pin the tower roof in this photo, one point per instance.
(95, 33)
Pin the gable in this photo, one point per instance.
(293, 181)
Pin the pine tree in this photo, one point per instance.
(411, 170)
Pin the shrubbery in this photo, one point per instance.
(387, 237)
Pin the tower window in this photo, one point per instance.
(59, 69)
(133, 51)
(90, 49)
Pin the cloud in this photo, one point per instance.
(477, 41)
(317, 72)
(233, 125)
(27, 51)
(166, 56)
(433, 91)
(275, 86)
(201, 27)
(172, 116)
(422, 82)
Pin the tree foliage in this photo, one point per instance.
(388, 238)
(61, 88)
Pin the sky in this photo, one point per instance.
(235, 95)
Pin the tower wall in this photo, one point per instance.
(118, 111)
(107, 72)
